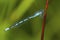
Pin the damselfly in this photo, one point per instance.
(38, 13)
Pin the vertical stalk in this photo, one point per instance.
(44, 20)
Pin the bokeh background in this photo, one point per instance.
(12, 11)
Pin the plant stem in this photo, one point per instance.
(44, 20)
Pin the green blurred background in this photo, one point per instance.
(16, 10)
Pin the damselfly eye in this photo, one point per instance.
(38, 13)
